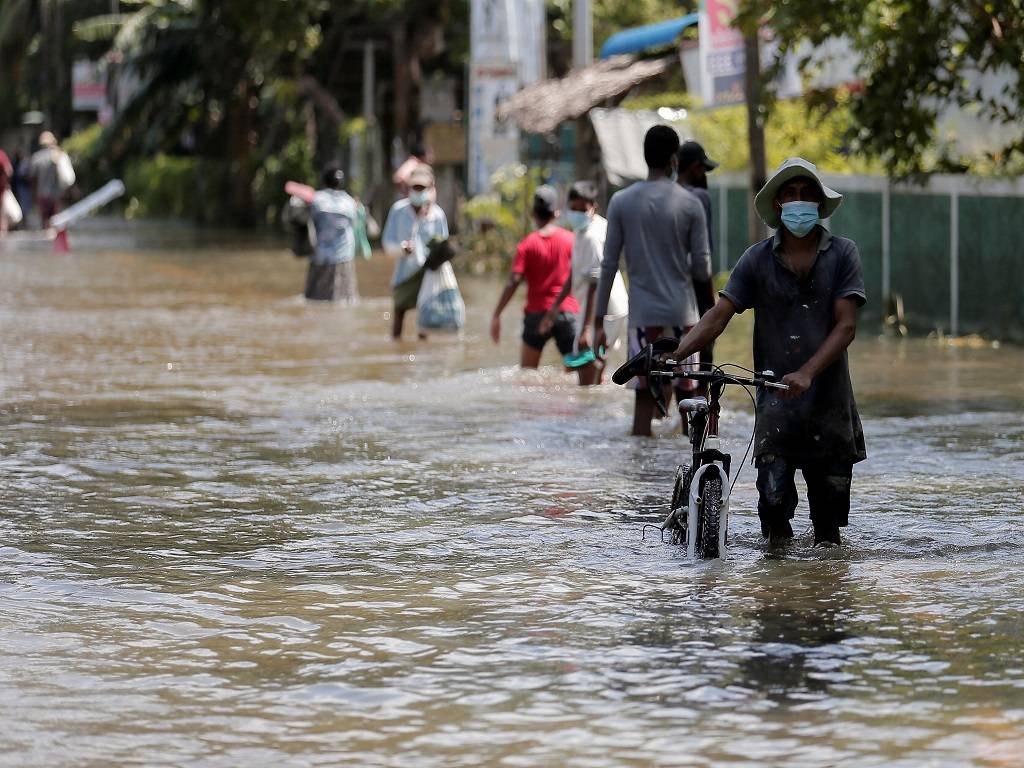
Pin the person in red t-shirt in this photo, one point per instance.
(544, 260)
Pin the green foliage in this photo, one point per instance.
(164, 187)
(793, 128)
(916, 59)
(84, 148)
(294, 162)
(494, 223)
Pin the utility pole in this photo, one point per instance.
(370, 137)
(582, 34)
(582, 56)
(755, 128)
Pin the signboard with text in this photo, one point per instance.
(723, 59)
(721, 53)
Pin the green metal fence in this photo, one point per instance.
(953, 249)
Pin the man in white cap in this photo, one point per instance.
(805, 286)
(412, 223)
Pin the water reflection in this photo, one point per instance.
(799, 633)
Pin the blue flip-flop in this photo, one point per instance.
(579, 359)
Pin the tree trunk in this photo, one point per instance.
(239, 168)
(756, 113)
(55, 93)
(401, 55)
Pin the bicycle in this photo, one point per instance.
(699, 512)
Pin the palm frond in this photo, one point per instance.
(103, 27)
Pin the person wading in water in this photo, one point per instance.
(411, 224)
(805, 286)
(544, 260)
(661, 228)
(332, 268)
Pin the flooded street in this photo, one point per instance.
(239, 529)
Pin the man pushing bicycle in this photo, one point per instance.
(805, 286)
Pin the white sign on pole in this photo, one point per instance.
(721, 54)
(88, 86)
(723, 58)
(492, 144)
(506, 52)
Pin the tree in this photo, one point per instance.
(917, 58)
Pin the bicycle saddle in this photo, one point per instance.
(694, 405)
(642, 362)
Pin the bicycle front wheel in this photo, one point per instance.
(709, 518)
(680, 503)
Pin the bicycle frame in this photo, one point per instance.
(709, 462)
(702, 416)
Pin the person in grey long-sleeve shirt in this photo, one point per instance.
(662, 229)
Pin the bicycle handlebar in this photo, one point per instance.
(648, 362)
(711, 377)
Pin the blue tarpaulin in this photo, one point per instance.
(643, 38)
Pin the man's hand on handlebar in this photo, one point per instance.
(676, 356)
(798, 383)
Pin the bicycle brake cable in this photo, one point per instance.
(753, 431)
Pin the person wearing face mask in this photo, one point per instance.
(805, 286)
(662, 231)
(590, 229)
(410, 226)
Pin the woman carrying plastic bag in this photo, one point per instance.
(439, 305)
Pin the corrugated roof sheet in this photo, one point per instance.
(542, 107)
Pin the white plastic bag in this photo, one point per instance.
(439, 305)
(10, 208)
(65, 171)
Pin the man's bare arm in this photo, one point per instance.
(506, 295)
(548, 321)
(707, 329)
(844, 312)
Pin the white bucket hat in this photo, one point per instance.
(790, 168)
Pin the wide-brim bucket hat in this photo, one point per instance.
(764, 201)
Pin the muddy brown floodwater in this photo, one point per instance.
(238, 529)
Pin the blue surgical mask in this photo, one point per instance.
(577, 219)
(799, 217)
(419, 197)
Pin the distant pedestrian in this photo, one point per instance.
(417, 156)
(21, 185)
(694, 165)
(52, 175)
(412, 224)
(662, 229)
(587, 251)
(544, 260)
(10, 211)
(332, 269)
